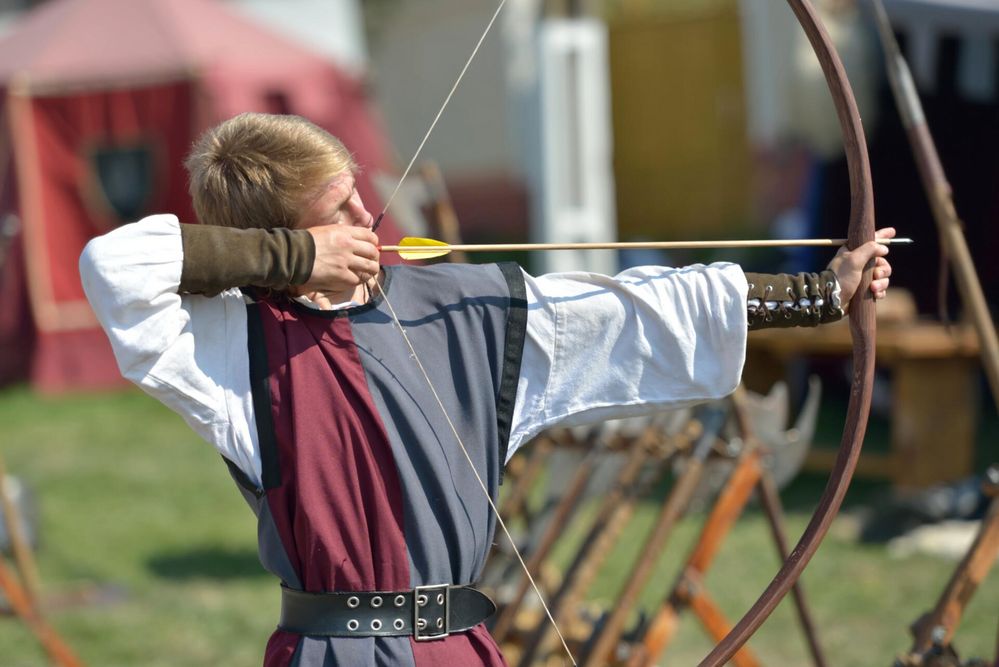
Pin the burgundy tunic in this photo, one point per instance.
(364, 485)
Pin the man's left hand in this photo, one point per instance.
(849, 265)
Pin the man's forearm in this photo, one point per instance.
(218, 258)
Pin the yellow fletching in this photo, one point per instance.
(417, 248)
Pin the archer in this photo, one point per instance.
(272, 329)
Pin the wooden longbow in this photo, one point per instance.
(862, 329)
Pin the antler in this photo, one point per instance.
(862, 328)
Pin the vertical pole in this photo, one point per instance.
(941, 197)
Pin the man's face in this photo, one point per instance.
(338, 204)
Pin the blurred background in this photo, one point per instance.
(579, 120)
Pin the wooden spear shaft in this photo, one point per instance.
(23, 607)
(615, 511)
(23, 558)
(563, 514)
(727, 508)
(939, 626)
(603, 645)
(772, 508)
(632, 245)
(940, 195)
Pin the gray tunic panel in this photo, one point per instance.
(467, 325)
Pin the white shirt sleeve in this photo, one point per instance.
(189, 352)
(647, 339)
(596, 348)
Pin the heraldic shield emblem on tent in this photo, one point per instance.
(126, 179)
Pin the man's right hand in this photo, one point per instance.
(346, 256)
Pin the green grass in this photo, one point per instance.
(862, 600)
(134, 505)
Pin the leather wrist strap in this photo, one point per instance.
(218, 258)
(784, 300)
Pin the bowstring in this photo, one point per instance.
(419, 363)
(447, 100)
(475, 471)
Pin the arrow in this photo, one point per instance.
(413, 248)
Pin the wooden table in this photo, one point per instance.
(934, 393)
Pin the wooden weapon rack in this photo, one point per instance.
(635, 456)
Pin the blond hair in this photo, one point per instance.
(262, 170)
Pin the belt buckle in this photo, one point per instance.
(430, 612)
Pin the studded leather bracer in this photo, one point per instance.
(785, 300)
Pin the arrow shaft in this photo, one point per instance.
(634, 245)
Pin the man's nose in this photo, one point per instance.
(362, 217)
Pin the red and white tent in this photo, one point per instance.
(103, 99)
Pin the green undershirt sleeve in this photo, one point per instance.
(219, 258)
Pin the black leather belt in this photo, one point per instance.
(426, 612)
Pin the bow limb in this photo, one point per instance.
(862, 329)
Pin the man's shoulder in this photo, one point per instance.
(446, 270)
(447, 279)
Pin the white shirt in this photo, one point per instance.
(596, 348)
